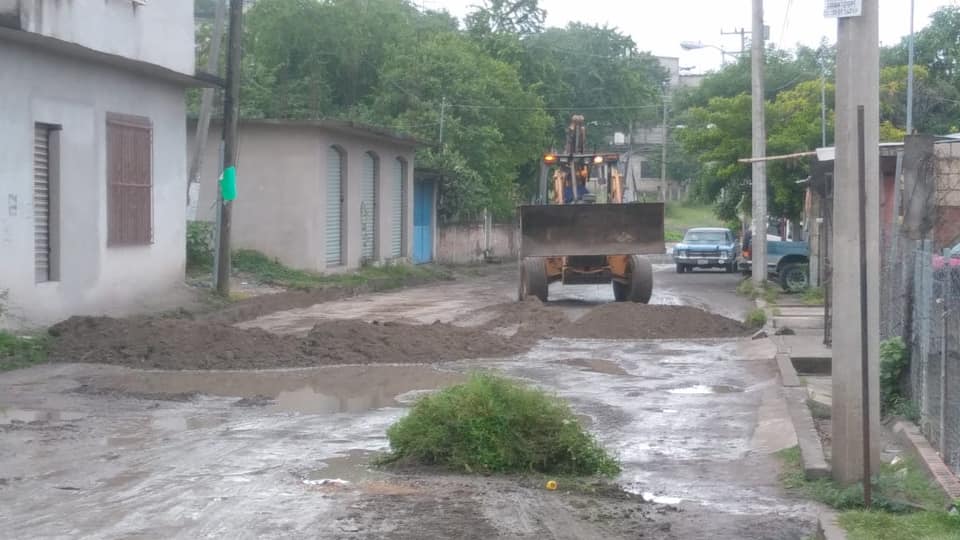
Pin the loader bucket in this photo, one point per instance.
(591, 229)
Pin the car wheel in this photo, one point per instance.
(681, 268)
(732, 268)
(793, 277)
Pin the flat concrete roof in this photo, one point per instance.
(79, 52)
(347, 127)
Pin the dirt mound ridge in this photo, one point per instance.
(640, 321)
(358, 342)
(152, 343)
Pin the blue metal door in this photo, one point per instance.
(422, 222)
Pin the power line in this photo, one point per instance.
(571, 108)
(786, 20)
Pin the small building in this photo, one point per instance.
(92, 162)
(319, 195)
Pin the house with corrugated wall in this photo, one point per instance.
(321, 195)
(92, 160)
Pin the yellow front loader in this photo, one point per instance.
(578, 237)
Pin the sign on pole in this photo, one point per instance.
(842, 8)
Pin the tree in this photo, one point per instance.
(519, 17)
(493, 125)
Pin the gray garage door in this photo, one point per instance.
(398, 215)
(334, 207)
(368, 207)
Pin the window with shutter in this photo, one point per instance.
(129, 180)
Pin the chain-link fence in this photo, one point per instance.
(935, 349)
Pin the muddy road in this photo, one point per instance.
(100, 451)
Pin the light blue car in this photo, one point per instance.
(706, 247)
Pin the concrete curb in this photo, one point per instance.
(788, 374)
(811, 451)
(828, 528)
(910, 434)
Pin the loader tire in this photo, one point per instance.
(620, 291)
(534, 279)
(641, 280)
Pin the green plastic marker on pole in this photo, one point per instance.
(228, 184)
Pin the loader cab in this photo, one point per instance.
(582, 178)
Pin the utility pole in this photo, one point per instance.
(855, 419)
(206, 104)
(910, 59)
(743, 38)
(759, 244)
(231, 113)
(663, 152)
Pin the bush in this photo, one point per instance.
(493, 424)
(756, 318)
(893, 360)
(22, 351)
(199, 244)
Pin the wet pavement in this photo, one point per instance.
(108, 452)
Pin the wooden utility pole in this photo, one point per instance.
(231, 113)
(759, 244)
(206, 103)
(856, 333)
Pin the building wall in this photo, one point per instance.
(465, 244)
(281, 202)
(39, 87)
(159, 32)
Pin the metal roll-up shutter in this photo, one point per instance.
(368, 207)
(41, 201)
(398, 216)
(334, 207)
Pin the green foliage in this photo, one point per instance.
(22, 351)
(757, 318)
(814, 296)
(899, 488)
(200, 244)
(680, 216)
(271, 272)
(864, 525)
(819, 410)
(893, 360)
(493, 424)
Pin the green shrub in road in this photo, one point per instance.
(491, 424)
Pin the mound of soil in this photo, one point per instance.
(351, 341)
(532, 319)
(640, 321)
(155, 343)
(152, 343)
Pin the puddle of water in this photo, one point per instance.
(352, 467)
(324, 390)
(660, 499)
(596, 365)
(9, 416)
(704, 389)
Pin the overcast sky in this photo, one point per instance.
(660, 26)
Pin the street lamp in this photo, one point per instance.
(694, 45)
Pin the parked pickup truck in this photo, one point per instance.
(788, 263)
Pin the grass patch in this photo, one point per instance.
(813, 296)
(768, 291)
(757, 318)
(491, 424)
(897, 489)
(271, 272)
(22, 351)
(863, 525)
(682, 215)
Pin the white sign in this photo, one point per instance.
(842, 8)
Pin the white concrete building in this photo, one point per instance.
(92, 155)
(321, 195)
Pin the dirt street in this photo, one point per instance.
(101, 451)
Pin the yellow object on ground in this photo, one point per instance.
(551, 485)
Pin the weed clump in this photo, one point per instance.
(491, 424)
(757, 318)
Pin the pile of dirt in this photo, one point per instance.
(640, 321)
(351, 341)
(153, 343)
(529, 320)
